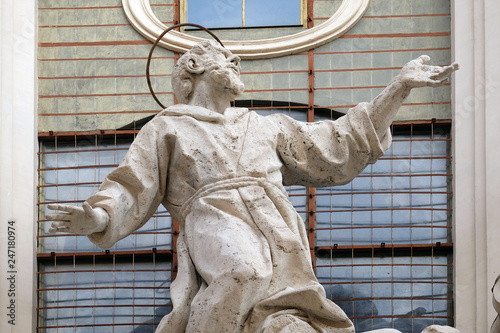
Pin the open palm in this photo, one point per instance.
(417, 74)
(83, 220)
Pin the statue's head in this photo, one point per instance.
(207, 58)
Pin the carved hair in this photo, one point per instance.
(195, 61)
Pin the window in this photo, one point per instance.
(382, 243)
(81, 286)
(244, 13)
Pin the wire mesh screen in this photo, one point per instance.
(383, 241)
(82, 287)
(381, 244)
(104, 294)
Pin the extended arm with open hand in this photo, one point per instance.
(414, 74)
(128, 196)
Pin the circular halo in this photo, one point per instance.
(156, 43)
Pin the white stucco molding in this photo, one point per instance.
(18, 165)
(476, 159)
(142, 18)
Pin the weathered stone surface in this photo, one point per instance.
(495, 327)
(430, 329)
(244, 263)
(440, 329)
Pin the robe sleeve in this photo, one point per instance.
(329, 153)
(131, 193)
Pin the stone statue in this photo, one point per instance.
(495, 327)
(244, 262)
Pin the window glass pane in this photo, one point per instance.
(229, 13)
(401, 199)
(106, 295)
(272, 12)
(215, 14)
(383, 291)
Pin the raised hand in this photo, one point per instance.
(83, 220)
(414, 74)
(417, 74)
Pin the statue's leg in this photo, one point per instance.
(288, 323)
(232, 257)
(429, 329)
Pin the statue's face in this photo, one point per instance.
(224, 69)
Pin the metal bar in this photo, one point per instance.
(409, 175)
(81, 151)
(103, 306)
(385, 265)
(389, 226)
(71, 135)
(383, 192)
(134, 233)
(310, 14)
(177, 13)
(104, 288)
(378, 209)
(104, 270)
(80, 167)
(416, 158)
(175, 237)
(103, 254)
(335, 247)
(311, 219)
(385, 281)
(311, 202)
(103, 59)
(390, 298)
(414, 140)
(420, 317)
(97, 325)
(137, 232)
(69, 184)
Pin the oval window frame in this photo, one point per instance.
(142, 18)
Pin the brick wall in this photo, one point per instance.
(92, 62)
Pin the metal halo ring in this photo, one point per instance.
(156, 43)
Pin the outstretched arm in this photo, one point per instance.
(414, 74)
(128, 196)
(83, 220)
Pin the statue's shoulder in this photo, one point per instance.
(176, 110)
(196, 112)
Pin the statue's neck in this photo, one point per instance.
(211, 96)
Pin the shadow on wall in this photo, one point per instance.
(150, 325)
(366, 309)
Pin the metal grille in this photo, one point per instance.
(383, 241)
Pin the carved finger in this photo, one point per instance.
(437, 83)
(64, 208)
(436, 69)
(87, 208)
(440, 73)
(446, 71)
(423, 59)
(53, 231)
(59, 217)
(59, 227)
